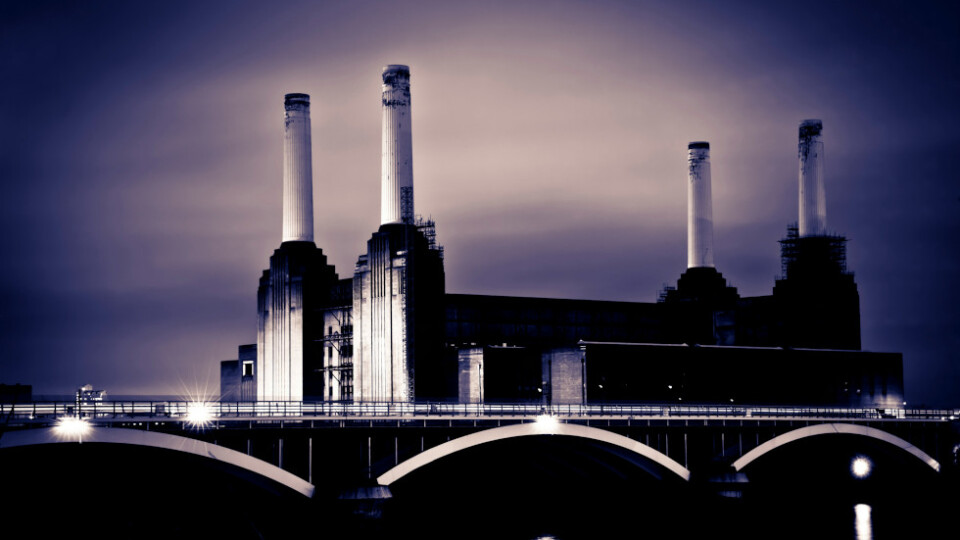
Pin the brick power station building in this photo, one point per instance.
(391, 332)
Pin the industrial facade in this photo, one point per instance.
(391, 333)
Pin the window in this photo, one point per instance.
(248, 368)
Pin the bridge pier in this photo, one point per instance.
(722, 481)
(364, 502)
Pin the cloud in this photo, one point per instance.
(141, 160)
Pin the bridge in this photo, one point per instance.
(387, 441)
(361, 458)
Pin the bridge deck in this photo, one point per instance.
(177, 411)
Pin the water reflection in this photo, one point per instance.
(861, 467)
(863, 524)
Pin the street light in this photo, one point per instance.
(70, 427)
(199, 414)
(547, 423)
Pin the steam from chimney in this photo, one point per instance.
(699, 207)
(297, 170)
(813, 205)
(396, 194)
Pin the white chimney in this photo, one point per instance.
(396, 194)
(813, 205)
(699, 207)
(297, 171)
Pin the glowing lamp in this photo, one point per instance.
(546, 423)
(860, 467)
(199, 414)
(72, 427)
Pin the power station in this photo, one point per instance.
(392, 333)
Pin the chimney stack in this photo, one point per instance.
(813, 205)
(297, 170)
(699, 207)
(396, 194)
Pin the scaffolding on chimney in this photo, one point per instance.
(429, 229)
(406, 204)
(664, 293)
(812, 255)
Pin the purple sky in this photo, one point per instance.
(141, 147)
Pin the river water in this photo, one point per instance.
(646, 519)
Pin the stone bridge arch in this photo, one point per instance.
(166, 441)
(541, 427)
(834, 429)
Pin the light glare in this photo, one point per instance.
(546, 422)
(863, 524)
(72, 427)
(199, 414)
(860, 467)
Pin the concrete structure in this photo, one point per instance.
(816, 303)
(564, 376)
(16, 393)
(357, 456)
(87, 393)
(297, 170)
(666, 373)
(612, 372)
(337, 341)
(831, 429)
(813, 203)
(398, 290)
(545, 426)
(296, 289)
(699, 207)
(470, 369)
(166, 441)
(700, 308)
(398, 284)
(396, 196)
(389, 443)
(392, 334)
(291, 302)
(238, 379)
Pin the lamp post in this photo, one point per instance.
(480, 382)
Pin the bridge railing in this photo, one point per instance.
(213, 410)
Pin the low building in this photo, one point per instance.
(238, 378)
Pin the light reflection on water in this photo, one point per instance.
(864, 522)
(862, 525)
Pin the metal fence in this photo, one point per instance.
(226, 411)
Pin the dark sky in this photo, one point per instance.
(141, 151)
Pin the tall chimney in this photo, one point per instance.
(396, 194)
(297, 171)
(813, 205)
(699, 207)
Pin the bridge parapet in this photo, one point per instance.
(108, 411)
